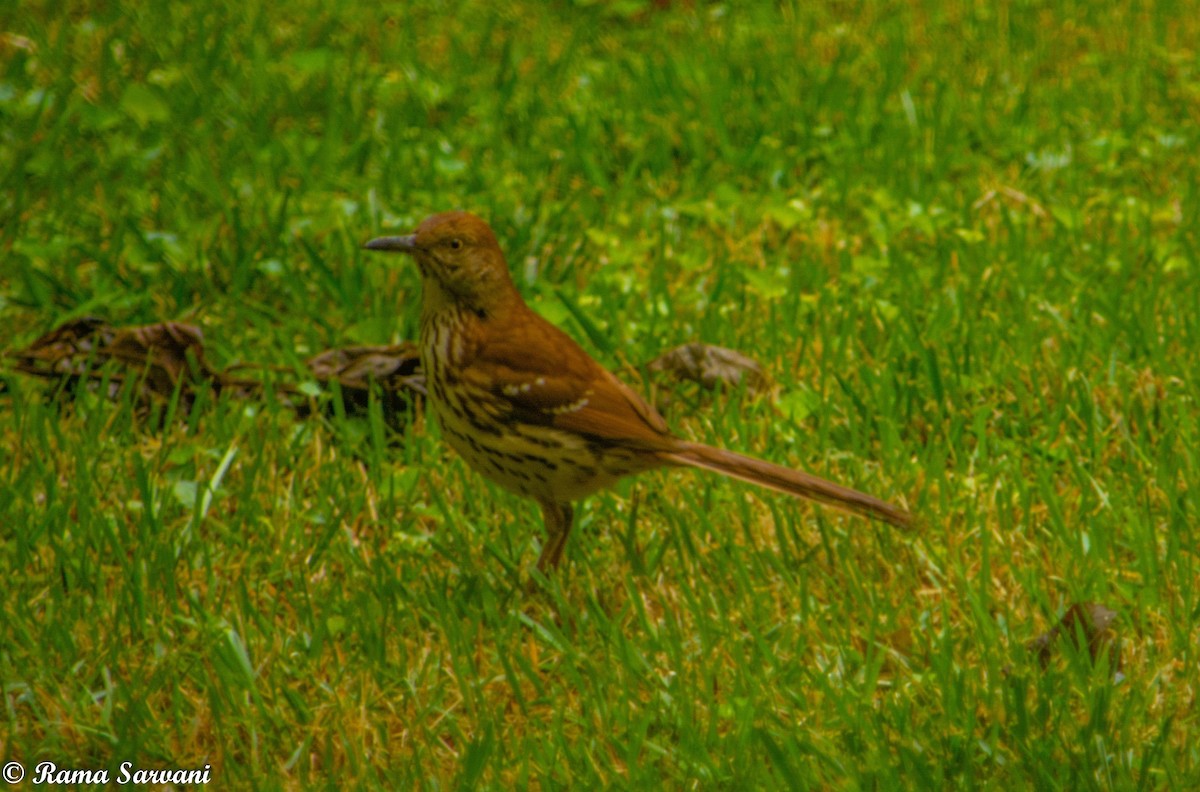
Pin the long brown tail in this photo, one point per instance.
(793, 482)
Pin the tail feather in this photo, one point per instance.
(792, 482)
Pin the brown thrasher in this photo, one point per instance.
(525, 406)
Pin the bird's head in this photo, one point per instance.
(459, 259)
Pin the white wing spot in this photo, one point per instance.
(574, 406)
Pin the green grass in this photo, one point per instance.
(961, 238)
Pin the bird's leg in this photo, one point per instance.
(558, 518)
(568, 519)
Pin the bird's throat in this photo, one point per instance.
(436, 298)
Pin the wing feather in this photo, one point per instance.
(560, 385)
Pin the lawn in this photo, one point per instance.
(960, 239)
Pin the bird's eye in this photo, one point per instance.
(455, 243)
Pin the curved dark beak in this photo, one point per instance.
(399, 244)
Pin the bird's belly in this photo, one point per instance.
(534, 461)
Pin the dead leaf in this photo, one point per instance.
(396, 369)
(171, 353)
(353, 367)
(158, 358)
(65, 350)
(710, 366)
(164, 356)
(1093, 622)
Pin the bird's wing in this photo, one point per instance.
(545, 378)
